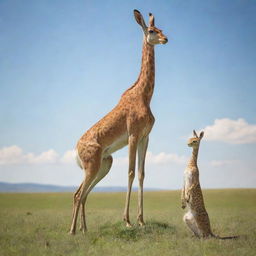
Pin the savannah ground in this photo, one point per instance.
(38, 224)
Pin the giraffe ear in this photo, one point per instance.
(201, 135)
(140, 20)
(194, 132)
(151, 20)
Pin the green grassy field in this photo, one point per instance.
(38, 224)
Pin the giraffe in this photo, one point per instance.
(196, 218)
(129, 123)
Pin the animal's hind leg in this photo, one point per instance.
(189, 219)
(91, 171)
(104, 169)
(75, 196)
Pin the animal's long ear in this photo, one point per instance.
(194, 132)
(151, 20)
(140, 20)
(201, 135)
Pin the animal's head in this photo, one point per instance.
(153, 34)
(195, 140)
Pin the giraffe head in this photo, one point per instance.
(195, 140)
(153, 34)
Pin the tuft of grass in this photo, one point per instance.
(134, 233)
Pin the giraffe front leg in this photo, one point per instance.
(142, 150)
(131, 174)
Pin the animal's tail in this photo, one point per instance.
(78, 159)
(225, 237)
(228, 237)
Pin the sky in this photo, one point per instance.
(65, 64)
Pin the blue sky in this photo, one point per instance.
(65, 64)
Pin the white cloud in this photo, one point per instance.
(68, 157)
(47, 157)
(164, 158)
(161, 158)
(15, 155)
(20, 166)
(219, 163)
(231, 131)
(11, 155)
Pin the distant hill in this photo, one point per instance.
(34, 188)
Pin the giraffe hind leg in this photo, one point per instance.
(91, 169)
(104, 169)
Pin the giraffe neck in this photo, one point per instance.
(193, 160)
(146, 80)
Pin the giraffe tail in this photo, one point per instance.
(78, 159)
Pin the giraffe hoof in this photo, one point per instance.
(128, 225)
(141, 223)
(84, 230)
(72, 232)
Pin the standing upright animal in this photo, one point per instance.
(130, 122)
(196, 218)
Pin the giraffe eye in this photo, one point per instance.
(151, 31)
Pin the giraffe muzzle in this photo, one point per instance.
(164, 41)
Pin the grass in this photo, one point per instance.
(38, 224)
